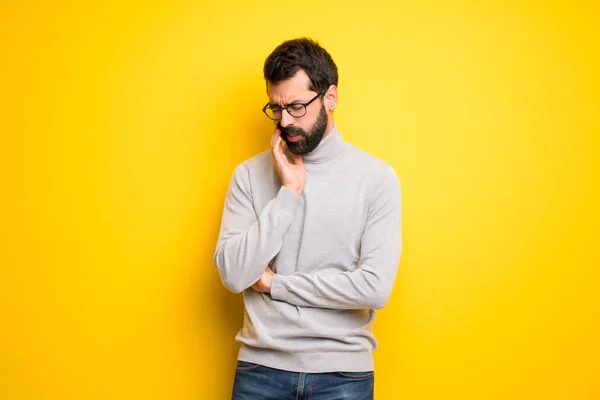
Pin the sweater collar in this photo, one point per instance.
(330, 147)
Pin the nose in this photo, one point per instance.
(286, 118)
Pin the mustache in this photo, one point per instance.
(294, 130)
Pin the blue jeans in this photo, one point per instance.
(254, 381)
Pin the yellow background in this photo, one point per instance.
(121, 124)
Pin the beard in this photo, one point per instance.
(310, 140)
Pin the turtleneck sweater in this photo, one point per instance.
(335, 251)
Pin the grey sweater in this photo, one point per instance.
(335, 251)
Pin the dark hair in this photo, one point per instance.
(302, 53)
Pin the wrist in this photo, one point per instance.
(294, 189)
(275, 289)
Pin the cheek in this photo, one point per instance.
(311, 119)
(307, 124)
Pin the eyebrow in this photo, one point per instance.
(272, 105)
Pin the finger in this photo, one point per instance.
(273, 140)
(278, 152)
(281, 151)
(297, 159)
(275, 135)
(274, 147)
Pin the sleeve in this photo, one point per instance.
(370, 284)
(247, 242)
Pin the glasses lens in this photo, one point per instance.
(297, 110)
(273, 114)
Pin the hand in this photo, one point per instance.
(264, 283)
(292, 176)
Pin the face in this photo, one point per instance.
(302, 135)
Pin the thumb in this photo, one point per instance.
(297, 159)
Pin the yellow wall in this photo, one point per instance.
(121, 125)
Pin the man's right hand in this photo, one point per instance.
(264, 283)
(292, 176)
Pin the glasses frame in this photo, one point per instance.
(305, 105)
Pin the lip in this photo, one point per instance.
(293, 138)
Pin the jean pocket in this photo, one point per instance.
(246, 366)
(359, 376)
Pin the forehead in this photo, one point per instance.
(295, 88)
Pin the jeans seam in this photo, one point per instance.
(364, 376)
(298, 387)
(246, 367)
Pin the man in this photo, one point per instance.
(311, 234)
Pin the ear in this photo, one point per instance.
(331, 98)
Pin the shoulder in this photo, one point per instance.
(382, 183)
(253, 169)
(377, 170)
(259, 163)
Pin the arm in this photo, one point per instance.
(247, 242)
(370, 285)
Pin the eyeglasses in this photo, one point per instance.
(296, 110)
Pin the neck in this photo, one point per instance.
(331, 146)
